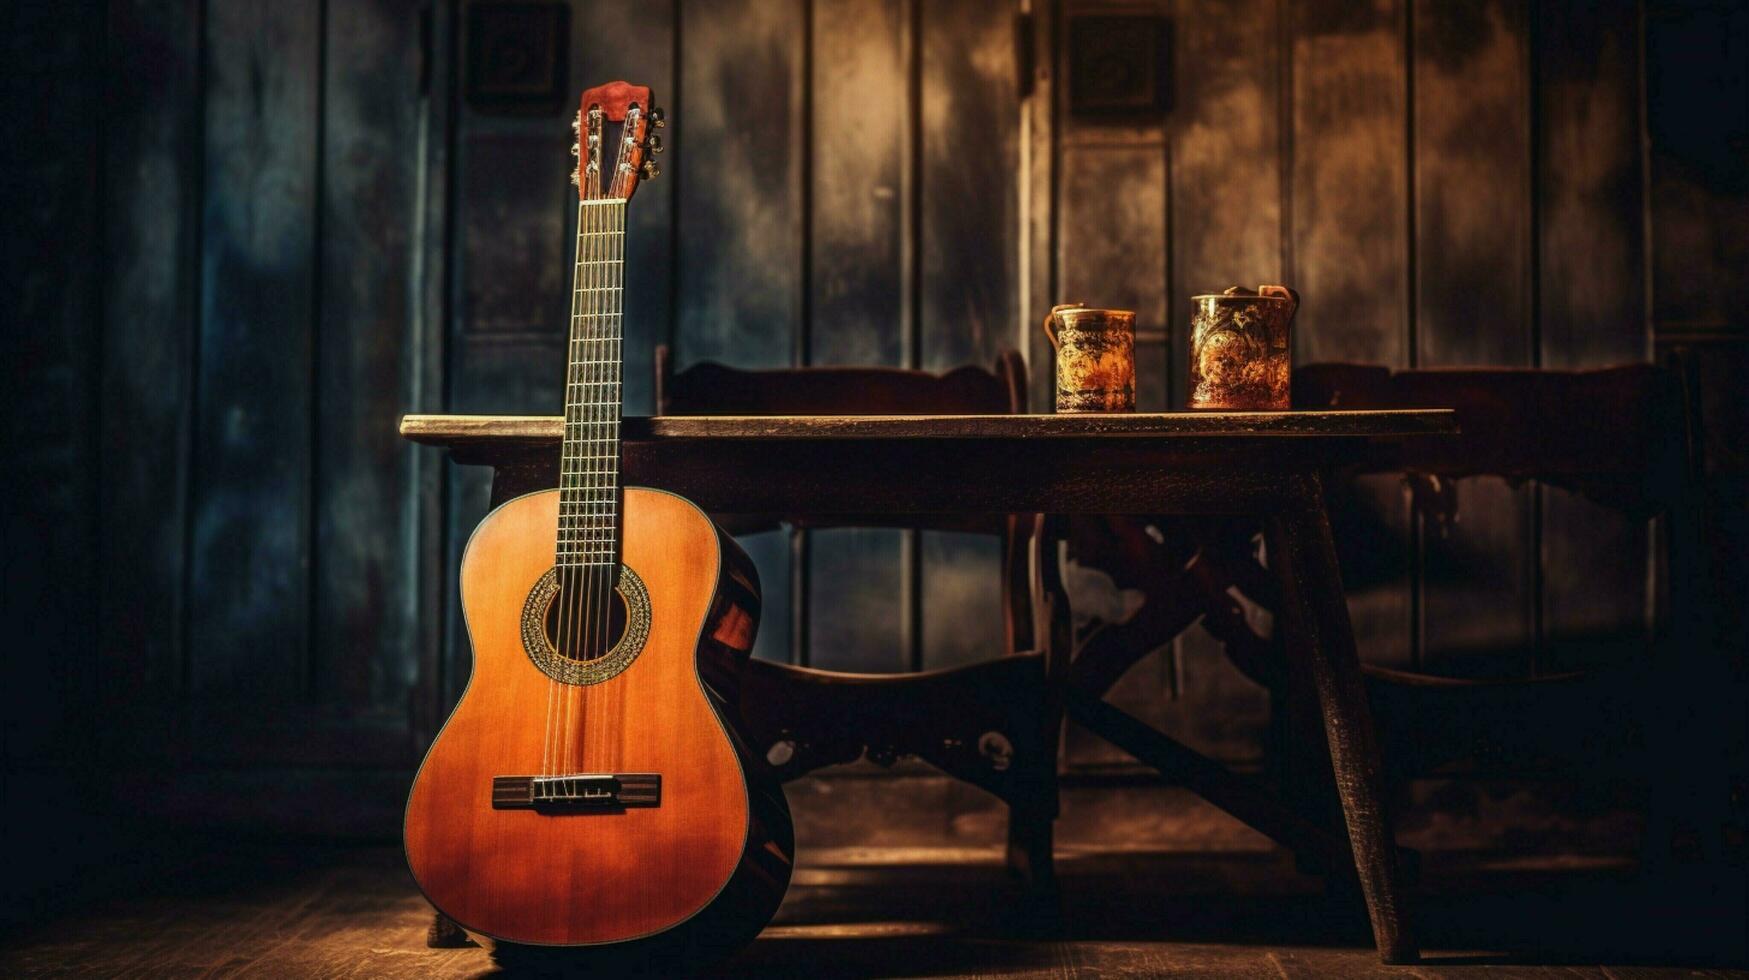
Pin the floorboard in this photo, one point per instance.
(235, 909)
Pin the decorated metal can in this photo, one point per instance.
(1096, 358)
(1241, 350)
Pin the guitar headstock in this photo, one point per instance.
(630, 107)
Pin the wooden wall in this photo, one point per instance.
(1447, 184)
(251, 235)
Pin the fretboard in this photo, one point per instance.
(589, 497)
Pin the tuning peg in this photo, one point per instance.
(576, 179)
(655, 143)
(576, 150)
(657, 118)
(577, 125)
(650, 170)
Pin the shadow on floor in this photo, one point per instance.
(252, 908)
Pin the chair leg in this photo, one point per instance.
(1319, 632)
(1032, 816)
(1030, 853)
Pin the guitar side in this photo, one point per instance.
(701, 871)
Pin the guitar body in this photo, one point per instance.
(699, 872)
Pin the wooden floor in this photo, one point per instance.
(276, 911)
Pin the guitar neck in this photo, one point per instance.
(589, 488)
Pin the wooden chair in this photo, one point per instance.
(994, 723)
(1624, 437)
(1627, 438)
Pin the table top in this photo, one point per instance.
(1141, 463)
(473, 430)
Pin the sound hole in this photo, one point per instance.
(582, 642)
(576, 624)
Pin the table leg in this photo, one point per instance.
(1318, 630)
(1031, 825)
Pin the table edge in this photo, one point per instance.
(443, 430)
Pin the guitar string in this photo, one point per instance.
(586, 507)
(576, 698)
(573, 424)
(599, 508)
(599, 513)
(579, 430)
(593, 387)
(602, 588)
(583, 545)
(549, 764)
(612, 400)
(599, 574)
(588, 188)
(548, 742)
(612, 462)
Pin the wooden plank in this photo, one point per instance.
(1113, 244)
(433, 288)
(1591, 307)
(151, 162)
(517, 215)
(1472, 219)
(970, 147)
(970, 289)
(1039, 134)
(737, 154)
(770, 551)
(1699, 203)
(860, 118)
(1226, 179)
(250, 593)
(1590, 247)
(1349, 258)
(738, 131)
(859, 122)
(1349, 181)
(1226, 200)
(365, 607)
(855, 577)
(48, 403)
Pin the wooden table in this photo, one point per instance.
(1268, 464)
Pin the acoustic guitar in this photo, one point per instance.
(589, 790)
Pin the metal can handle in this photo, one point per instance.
(1283, 292)
(1051, 318)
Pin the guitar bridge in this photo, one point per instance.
(578, 792)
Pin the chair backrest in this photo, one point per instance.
(1622, 435)
(713, 389)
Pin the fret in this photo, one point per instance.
(589, 491)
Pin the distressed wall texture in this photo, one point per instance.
(251, 235)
